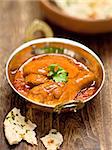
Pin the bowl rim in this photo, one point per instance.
(64, 14)
(60, 40)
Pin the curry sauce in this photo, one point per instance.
(54, 78)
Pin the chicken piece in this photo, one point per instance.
(69, 92)
(48, 87)
(29, 68)
(83, 80)
(74, 86)
(42, 93)
(35, 79)
(36, 66)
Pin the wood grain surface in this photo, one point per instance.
(89, 128)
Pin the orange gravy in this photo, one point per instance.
(32, 80)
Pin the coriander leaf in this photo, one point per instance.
(52, 67)
(50, 73)
(57, 73)
(61, 71)
(63, 77)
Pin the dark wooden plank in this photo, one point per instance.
(88, 129)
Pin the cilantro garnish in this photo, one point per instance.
(57, 73)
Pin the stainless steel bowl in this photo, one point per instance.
(73, 49)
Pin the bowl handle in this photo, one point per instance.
(74, 105)
(36, 27)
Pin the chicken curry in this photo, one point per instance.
(54, 78)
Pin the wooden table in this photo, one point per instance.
(89, 128)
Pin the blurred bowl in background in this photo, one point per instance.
(71, 23)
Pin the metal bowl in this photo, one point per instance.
(73, 49)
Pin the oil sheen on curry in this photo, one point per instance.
(54, 79)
